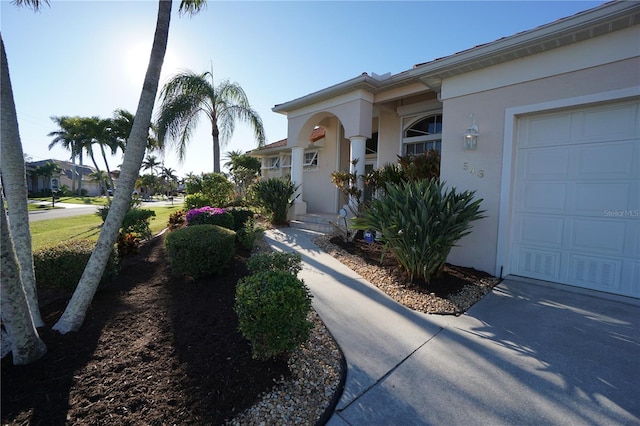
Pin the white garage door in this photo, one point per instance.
(576, 217)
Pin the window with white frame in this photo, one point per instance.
(286, 161)
(311, 159)
(272, 163)
(423, 135)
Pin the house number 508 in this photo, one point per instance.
(472, 170)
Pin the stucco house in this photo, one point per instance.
(544, 125)
(36, 184)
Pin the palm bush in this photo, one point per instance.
(275, 196)
(419, 222)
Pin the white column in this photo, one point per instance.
(358, 151)
(297, 173)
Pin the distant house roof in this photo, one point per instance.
(66, 167)
(317, 134)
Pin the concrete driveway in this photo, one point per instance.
(525, 354)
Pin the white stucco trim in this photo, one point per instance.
(510, 120)
(332, 103)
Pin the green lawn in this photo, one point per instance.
(89, 201)
(52, 231)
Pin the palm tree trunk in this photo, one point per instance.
(216, 147)
(26, 345)
(74, 314)
(14, 178)
(106, 164)
(81, 174)
(98, 171)
(74, 171)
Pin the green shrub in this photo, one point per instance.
(136, 221)
(240, 217)
(200, 250)
(246, 236)
(217, 188)
(195, 201)
(272, 308)
(275, 261)
(60, 266)
(275, 196)
(420, 222)
(425, 166)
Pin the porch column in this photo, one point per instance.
(297, 161)
(358, 152)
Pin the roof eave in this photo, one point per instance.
(591, 23)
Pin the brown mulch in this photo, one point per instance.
(153, 349)
(452, 293)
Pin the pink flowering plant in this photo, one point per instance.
(210, 216)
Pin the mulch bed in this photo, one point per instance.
(154, 349)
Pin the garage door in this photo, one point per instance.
(576, 217)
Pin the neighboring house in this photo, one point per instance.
(39, 183)
(556, 116)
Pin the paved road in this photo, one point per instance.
(69, 210)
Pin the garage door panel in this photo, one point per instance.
(538, 263)
(595, 272)
(599, 235)
(547, 131)
(596, 199)
(542, 230)
(576, 205)
(546, 197)
(608, 123)
(551, 164)
(607, 161)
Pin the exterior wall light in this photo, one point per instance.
(471, 136)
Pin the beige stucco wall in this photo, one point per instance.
(318, 191)
(388, 137)
(489, 106)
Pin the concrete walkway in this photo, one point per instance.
(525, 354)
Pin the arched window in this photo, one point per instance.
(423, 135)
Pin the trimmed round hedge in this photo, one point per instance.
(200, 250)
(272, 308)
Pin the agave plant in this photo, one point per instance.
(419, 222)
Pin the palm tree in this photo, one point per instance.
(188, 94)
(169, 179)
(75, 312)
(232, 158)
(151, 163)
(18, 298)
(66, 137)
(121, 125)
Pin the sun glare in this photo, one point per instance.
(137, 60)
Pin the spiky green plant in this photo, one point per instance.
(275, 195)
(419, 222)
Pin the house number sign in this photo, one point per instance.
(472, 170)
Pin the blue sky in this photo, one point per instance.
(89, 57)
